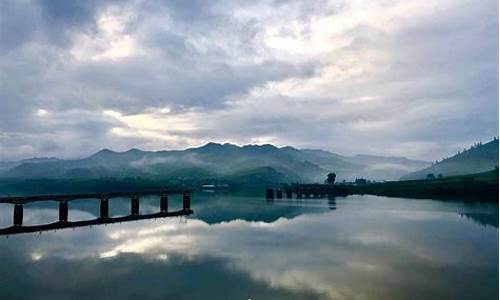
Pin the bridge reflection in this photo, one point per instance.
(103, 218)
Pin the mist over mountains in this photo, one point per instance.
(250, 163)
(259, 164)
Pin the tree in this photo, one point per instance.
(360, 181)
(331, 178)
(430, 176)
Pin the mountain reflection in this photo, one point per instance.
(295, 250)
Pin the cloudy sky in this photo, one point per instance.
(412, 78)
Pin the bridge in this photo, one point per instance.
(104, 198)
(315, 190)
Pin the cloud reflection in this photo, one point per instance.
(349, 255)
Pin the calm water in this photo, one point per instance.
(235, 247)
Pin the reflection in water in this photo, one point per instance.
(238, 247)
(483, 218)
(331, 202)
(134, 276)
(18, 229)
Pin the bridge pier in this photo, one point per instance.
(104, 218)
(164, 202)
(134, 205)
(104, 211)
(269, 194)
(63, 211)
(18, 215)
(186, 200)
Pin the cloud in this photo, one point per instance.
(352, 77)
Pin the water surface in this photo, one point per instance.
(237, 247)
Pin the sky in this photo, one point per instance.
(408, 78)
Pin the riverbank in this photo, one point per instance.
(478, 186)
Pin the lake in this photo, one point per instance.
(242, 247)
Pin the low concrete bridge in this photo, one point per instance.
(103, 218)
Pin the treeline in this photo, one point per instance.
(474, 187)
(74, 186)
(465, 152)
(110, 184)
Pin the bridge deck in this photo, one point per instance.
(68, 197)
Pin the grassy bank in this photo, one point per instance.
(477, 187)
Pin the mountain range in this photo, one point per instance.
(249, 163)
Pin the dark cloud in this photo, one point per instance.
(45, 21)
(17, 23)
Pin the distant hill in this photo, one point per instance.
(262, 175)
(479, 158)
(6, 165)
(364, 166)
(214, 162)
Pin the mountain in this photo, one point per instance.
(262, 175)
(327, 160)
(211, 162)
(386, 167)
(6, 165)
(478, 158)
(366, 166)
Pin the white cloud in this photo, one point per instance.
(42, 112)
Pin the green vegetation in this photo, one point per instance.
(75, 186)
(330, 179)
(478, 158)
(183, 178)
(482, 186)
